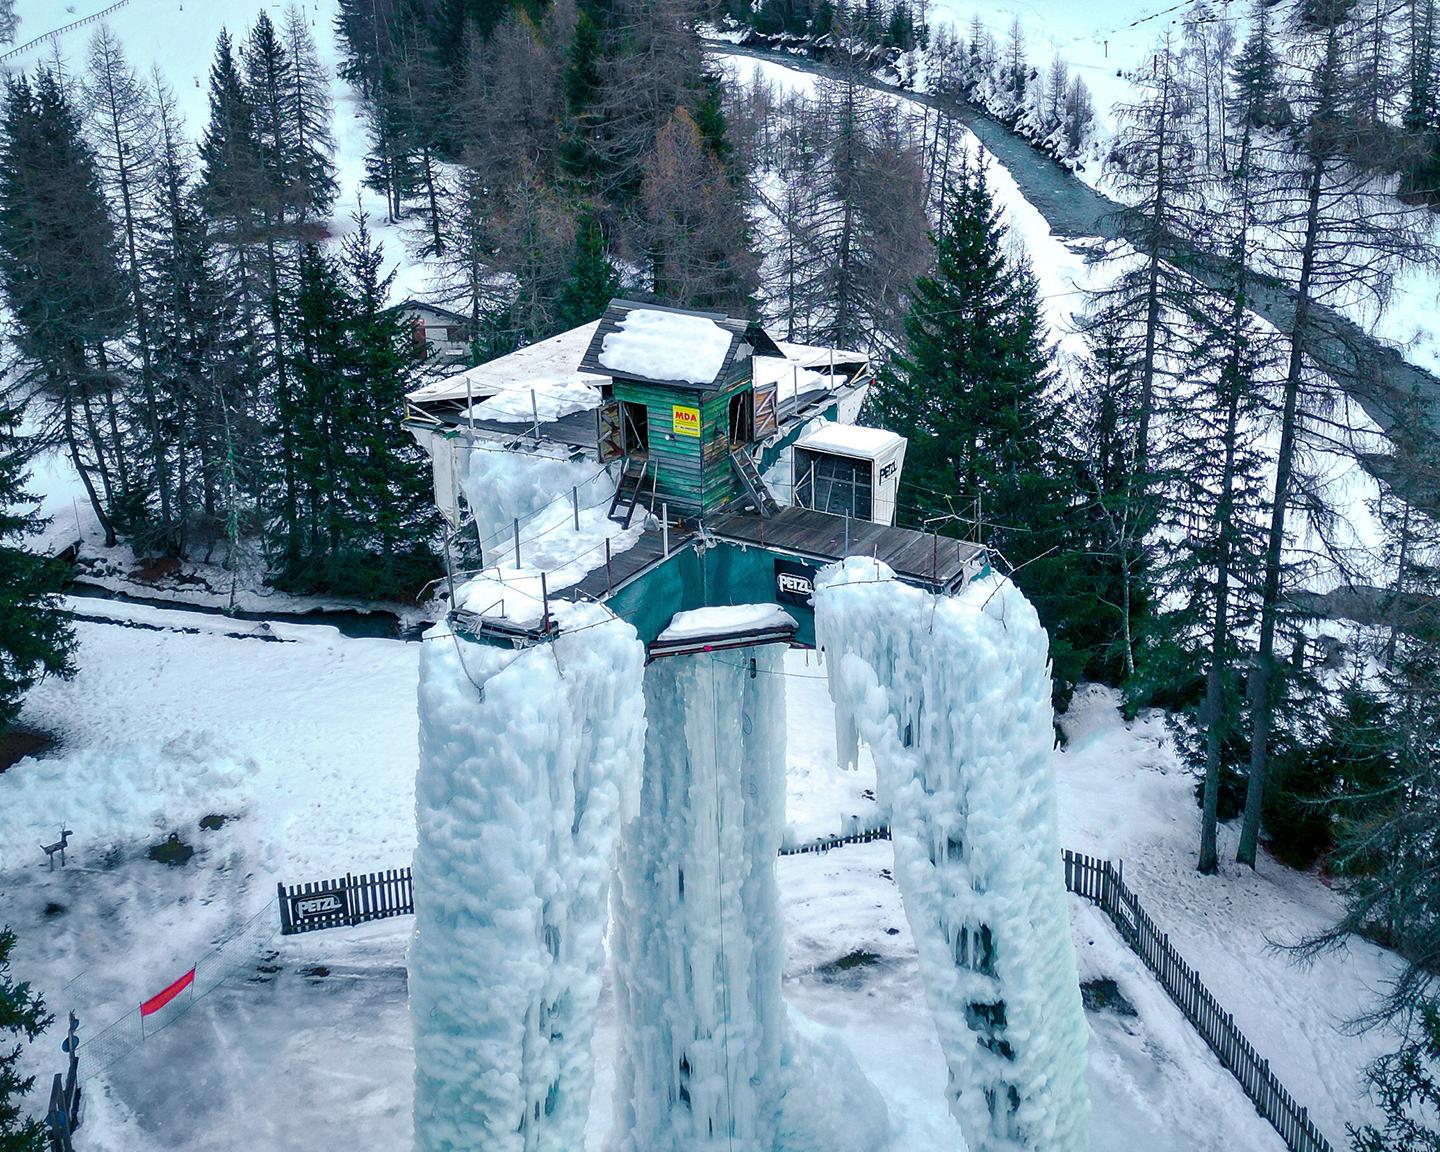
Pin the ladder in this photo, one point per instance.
(753, 482)
(633, 481)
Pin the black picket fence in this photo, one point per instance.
(1103, 883)
(345, 900)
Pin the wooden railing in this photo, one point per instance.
(1103, 883)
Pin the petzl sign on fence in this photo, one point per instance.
(686, 421)
(310, 905)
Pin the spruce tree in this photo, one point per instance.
(389, 491)
(22, 1014)
(593, 281)
(308, 112)
(35, 635)
(972, 393)
(61, 281)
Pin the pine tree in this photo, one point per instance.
(35, 636)
(389, 489)
(9, 22)
(593, 281)
(308, 112)
(230, 148)
(203, 362)
(1334, 236)
(22, 1014)
(1408, 1089)
(61, 281)
(972, 392)
(122, 120)
(695, 231)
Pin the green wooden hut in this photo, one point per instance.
(681, 407)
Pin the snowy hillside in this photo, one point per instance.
(304, 744)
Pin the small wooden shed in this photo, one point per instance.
(681, 407)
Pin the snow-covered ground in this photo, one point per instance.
(311, 743)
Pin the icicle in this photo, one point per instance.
(698, 944)
(518, 804)
(953, 696)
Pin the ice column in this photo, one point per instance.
(697, 945)
(953, 696)
(529, 760)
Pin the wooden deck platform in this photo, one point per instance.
(646, 552)
(939, 562)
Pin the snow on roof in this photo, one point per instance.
(702, 622)
(815, 356)
(790, 378)
(548, 360)
(545, 399)
(656, 345)
(851, 440)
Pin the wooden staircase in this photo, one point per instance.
(631, 484)
(753, 483)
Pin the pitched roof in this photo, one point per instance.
(706, 368)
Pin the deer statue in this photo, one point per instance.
(58, 846)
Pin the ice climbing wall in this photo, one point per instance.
(698, 946)
(529, 761)
(953, 696)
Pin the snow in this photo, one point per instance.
(698, 941)
(552, 359)
(671, 346)
(852, 440)
(541, 491)
(790, 378)
(719, 621)
(953, 696)
(327, 726)
(544, 399)
(528, 764)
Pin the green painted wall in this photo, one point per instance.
(694, 473)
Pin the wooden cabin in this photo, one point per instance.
(681, 406)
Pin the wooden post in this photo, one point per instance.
(535, 414)
(517, 541)
(575, 505)
(545, 602)
(665, 529)
(609, 583)
(847, 534)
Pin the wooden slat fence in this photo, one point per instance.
(345, 900)
(1103, 883)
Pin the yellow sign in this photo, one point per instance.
(686, 420)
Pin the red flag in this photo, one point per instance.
(160, 999)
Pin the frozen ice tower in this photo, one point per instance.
(953, 696)
(529, 760)
(698, 947)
